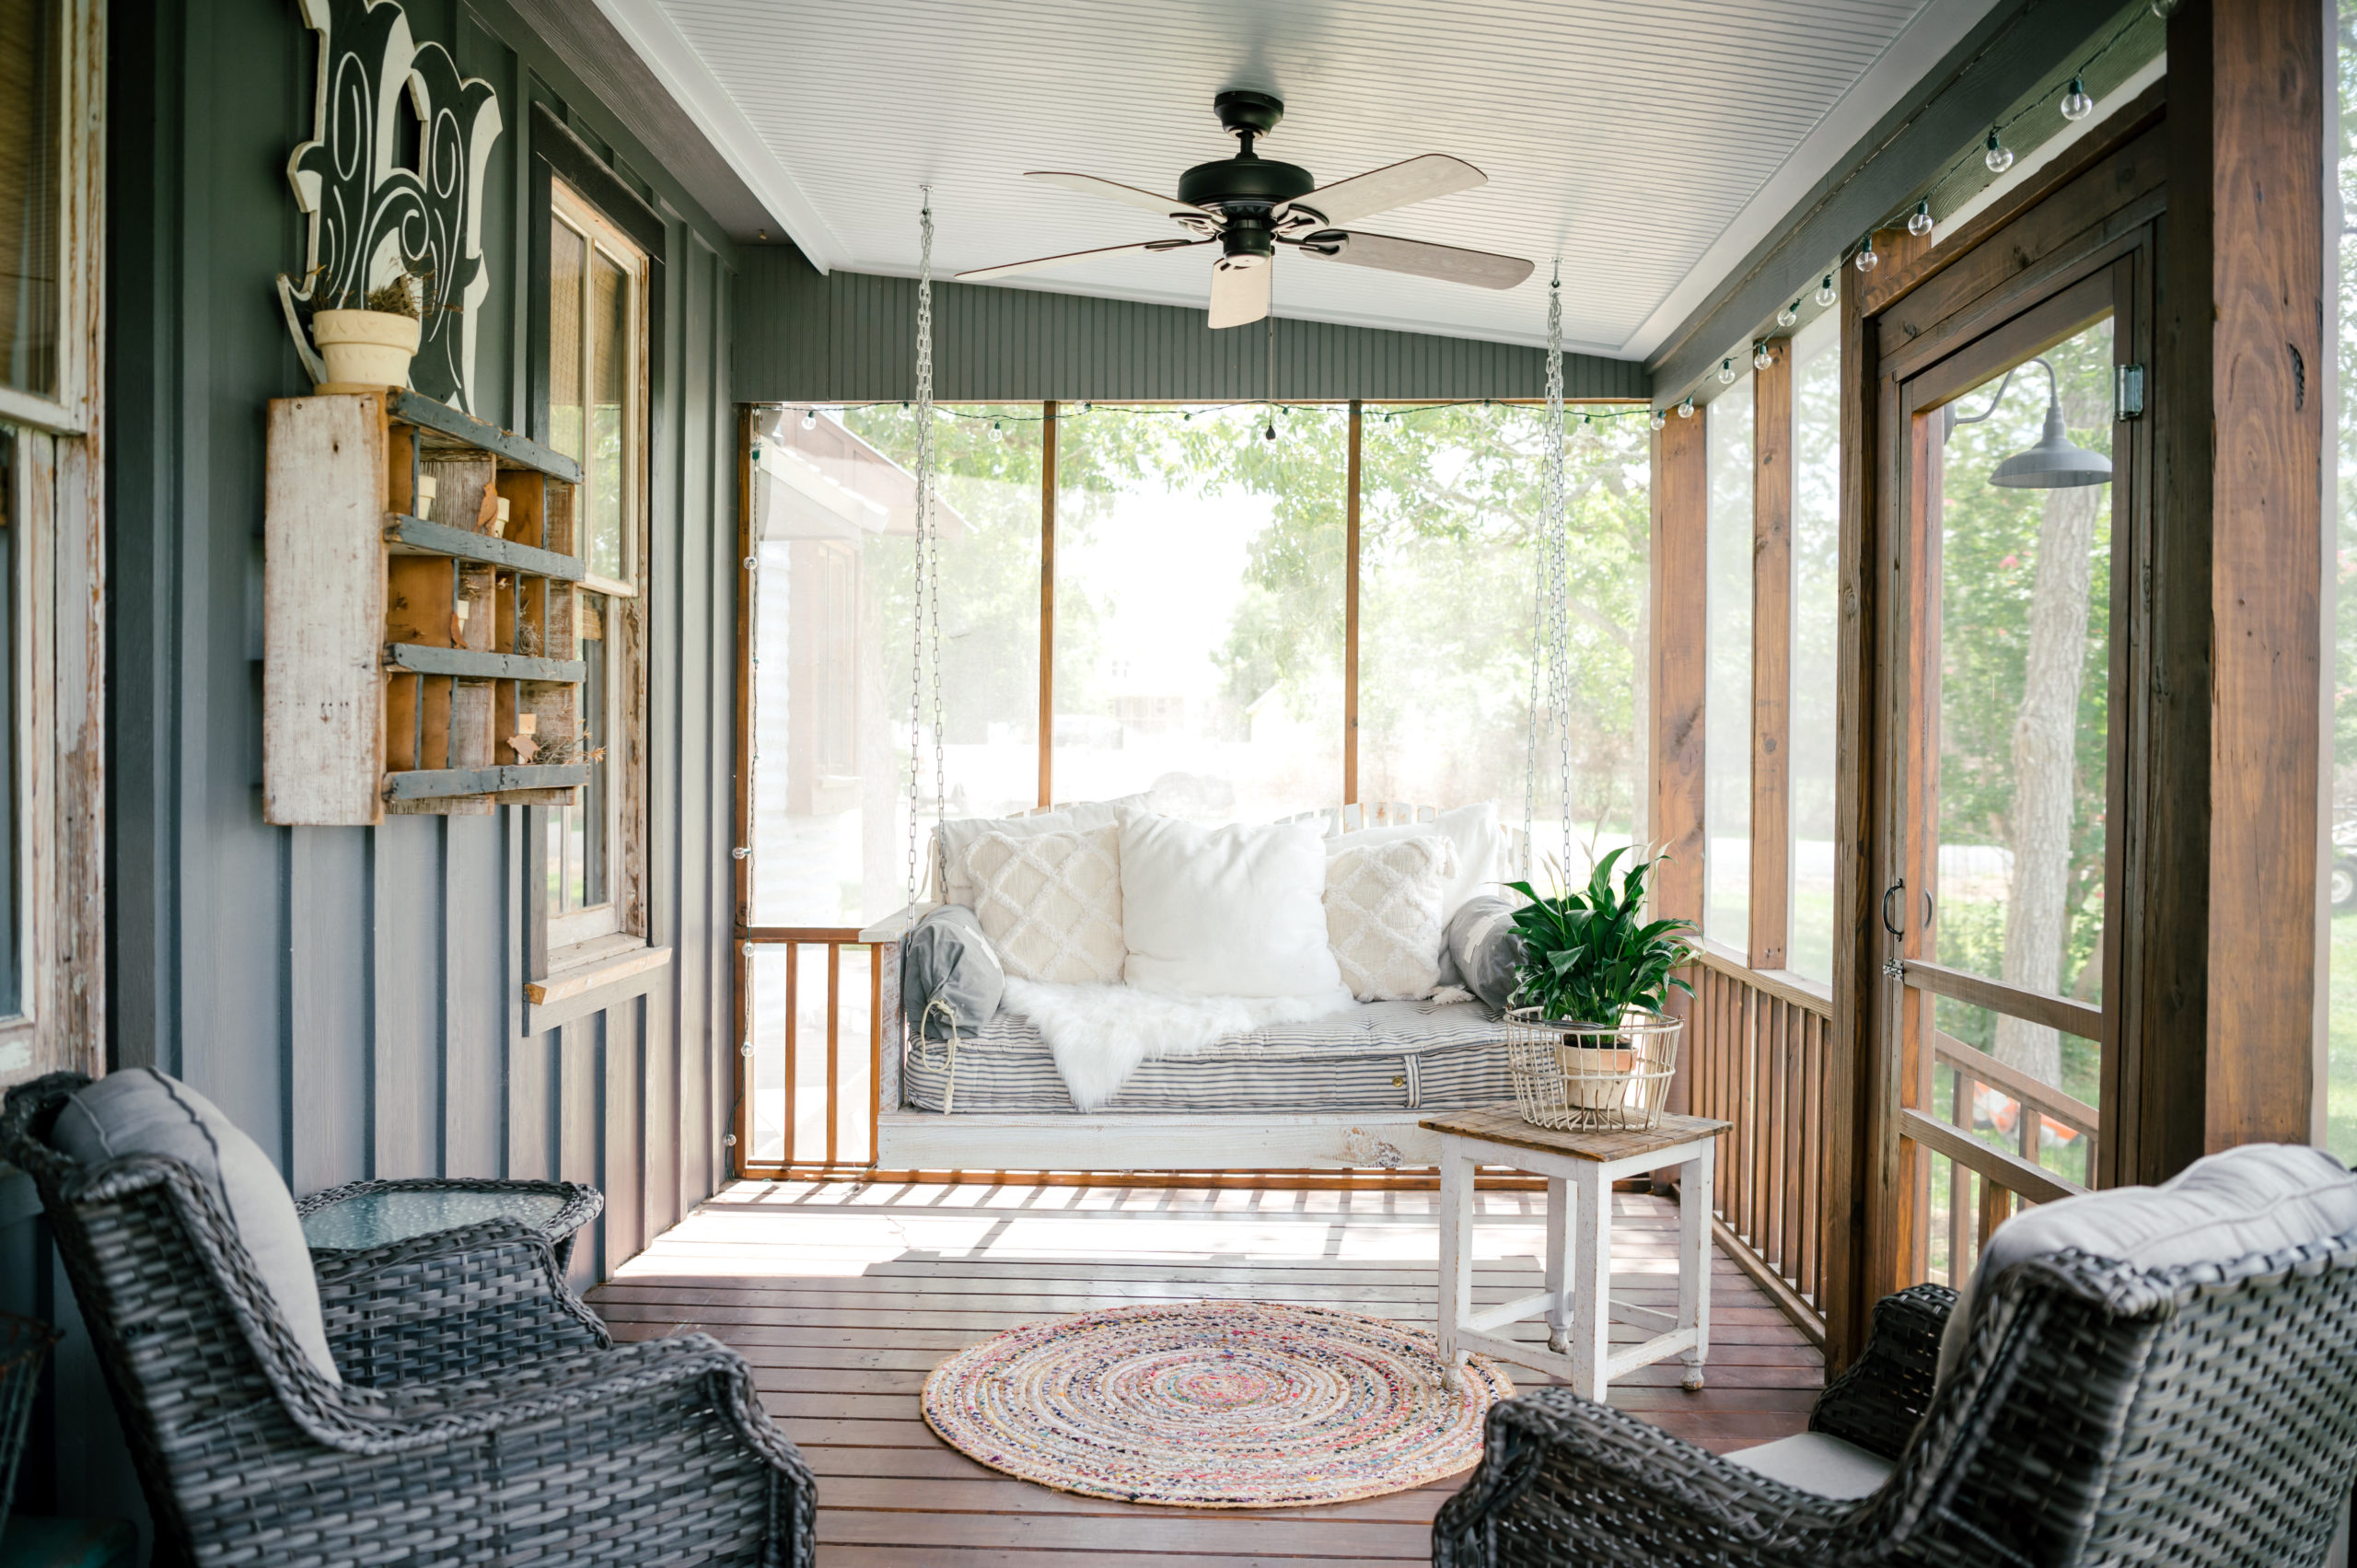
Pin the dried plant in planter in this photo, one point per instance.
(397, 297)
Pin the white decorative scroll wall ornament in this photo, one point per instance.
(391, 181)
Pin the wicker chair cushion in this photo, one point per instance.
(1819, 1462)
(2257, 1198)
(141, 1111)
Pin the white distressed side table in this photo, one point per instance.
(1578, 1303)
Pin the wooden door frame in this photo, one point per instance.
(1926, 303)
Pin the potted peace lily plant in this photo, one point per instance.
(372, 346)
(1590, 1044)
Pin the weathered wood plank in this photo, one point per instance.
(414, 534)
(323, 605)
(1772, 656)
(422, 660)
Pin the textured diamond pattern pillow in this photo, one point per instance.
(1383, 916)
(1051, 903)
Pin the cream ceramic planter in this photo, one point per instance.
(365, 348)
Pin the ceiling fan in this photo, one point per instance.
(1249, 206)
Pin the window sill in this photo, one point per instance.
(591, 977)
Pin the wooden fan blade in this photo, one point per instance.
(1394, 185)
(1240, 295)
(1482, 269)
(983, 274)
(1113, 191)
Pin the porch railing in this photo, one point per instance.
(1757, 1046)
(807, 1028)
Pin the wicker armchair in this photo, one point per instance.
(485, 1415)
(2196, 1416)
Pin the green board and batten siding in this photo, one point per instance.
(851, 337)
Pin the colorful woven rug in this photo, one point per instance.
(1213, 1404)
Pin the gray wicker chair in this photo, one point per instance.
(485, 1415)
(2194, 1417)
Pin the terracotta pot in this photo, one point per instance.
(365, 348)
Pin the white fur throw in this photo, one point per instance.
(1383, 916)
(1099, 1034)
(1051, 903)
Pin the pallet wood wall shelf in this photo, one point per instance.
(421, 615)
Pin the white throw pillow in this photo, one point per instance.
(957, 836)
(1051, 903)
(1225, 911)
(1471, 831)
(1383, 916)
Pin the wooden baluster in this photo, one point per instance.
(792, 1020)
(834, 1020)
(1960, 1179)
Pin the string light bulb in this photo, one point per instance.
(1826, 295)
(1760, 358)
(1726, 373)
(809, 417)
(2076, 104)
(1999, 157)
(1686, 409)
(2164, 10)
(1790, 315)
(1919, 222)
(1866, 257)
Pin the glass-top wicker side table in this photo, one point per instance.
(363, 1214)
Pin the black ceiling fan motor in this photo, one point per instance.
(1248, 182)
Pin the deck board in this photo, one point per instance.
(842, 1297)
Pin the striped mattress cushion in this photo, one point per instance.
(1376, 1056)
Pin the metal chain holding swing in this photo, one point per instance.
(925, 607)
(1550, 610)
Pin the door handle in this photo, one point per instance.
(1887, 894)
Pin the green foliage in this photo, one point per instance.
(1988, 572)
(1588, 957)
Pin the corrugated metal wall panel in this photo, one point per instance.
(851, 337)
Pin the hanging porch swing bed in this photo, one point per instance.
(1105, 987)
(984, 1069)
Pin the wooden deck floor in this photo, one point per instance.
(843, 1297)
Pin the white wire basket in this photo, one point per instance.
(1572, 1076)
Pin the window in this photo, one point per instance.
(598, 415)
(1817, 635)
(1197, 600)
(833, 521)
(1449, 503)
(51, 731)
(1198, 609)
(1727, 728)
(31, 193)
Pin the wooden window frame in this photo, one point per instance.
(621, 919)
(53, 509)
(569, 982)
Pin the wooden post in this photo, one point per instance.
(2223, 1032)
(1771, 656)
(1350, 612)
(1680, 619)
(1047, 604)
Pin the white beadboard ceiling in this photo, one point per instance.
(1649, 144)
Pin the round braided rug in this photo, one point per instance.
(1214, 1404)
